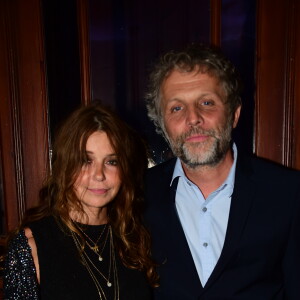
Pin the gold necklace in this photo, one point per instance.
(95, 248)
(112, 267)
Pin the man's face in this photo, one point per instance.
(197, 121)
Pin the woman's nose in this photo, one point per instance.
(99, 173)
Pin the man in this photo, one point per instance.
(224, 226)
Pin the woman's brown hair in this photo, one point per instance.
(57, 196)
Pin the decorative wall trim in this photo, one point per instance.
(84, 50)
(277, 71)
(288, 118)
(13, 184)
(24, 106)
(215, 22)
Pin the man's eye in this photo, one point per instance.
(207, 103)
(176, 108)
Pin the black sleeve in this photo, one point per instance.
(20, 281)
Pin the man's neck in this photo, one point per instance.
(209, 178)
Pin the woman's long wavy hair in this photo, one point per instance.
(57, 196)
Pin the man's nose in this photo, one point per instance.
(194, 116)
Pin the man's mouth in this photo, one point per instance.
(197, 138)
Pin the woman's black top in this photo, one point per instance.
(62, 274)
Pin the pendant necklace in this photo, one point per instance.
(94, 245)
(112, 278)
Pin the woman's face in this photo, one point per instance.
(99, 179)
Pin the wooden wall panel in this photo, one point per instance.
(215, 22)
(296, 117)
(84, 50)
(33, 97)
(276, 99)
(9, 173)
(23, 100)
(270, 105)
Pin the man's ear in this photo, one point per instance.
(236, 116)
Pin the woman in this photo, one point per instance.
(86, 239)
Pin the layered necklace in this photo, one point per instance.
(94, 245)
(111, 278)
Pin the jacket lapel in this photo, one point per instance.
(181, 252)
(241, 202)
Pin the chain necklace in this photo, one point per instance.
(95, 246)
(96, 249)
(91, 267)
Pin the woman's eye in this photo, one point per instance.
(87, 161)
(112, 162)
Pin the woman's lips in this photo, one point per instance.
(97, 191)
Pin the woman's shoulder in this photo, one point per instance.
(48, 221)
(18, 252)
(49, 224)
(45, 229)
(18, 242)
(18, 247)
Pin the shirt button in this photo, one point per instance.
(204, 209)
(205, 245)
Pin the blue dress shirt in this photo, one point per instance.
(204, 221)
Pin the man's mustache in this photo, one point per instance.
(200, 131)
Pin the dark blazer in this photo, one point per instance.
(261, 254)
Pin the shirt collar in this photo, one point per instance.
(229, 182)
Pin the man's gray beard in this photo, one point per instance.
(218, 143)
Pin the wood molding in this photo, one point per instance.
(12, 170)
(84, 50)
(296, 63)
(215, 22)
(288, 131)
(24, 120)
(33, 97)
(276, 101)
